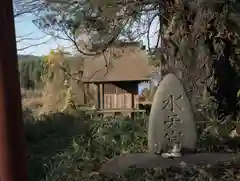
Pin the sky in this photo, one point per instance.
(24, 26)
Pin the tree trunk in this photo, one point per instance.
(190, 41)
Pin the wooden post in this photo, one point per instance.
(133, 105)
(133, 100)
(98, 97)
(103, 105)
(13, 165)
(116, 100)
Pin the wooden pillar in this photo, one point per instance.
(132, 97)
(133, 100)
(116, 90)
(103, 105)
(84, 94)
(98, 97)
(13, 166)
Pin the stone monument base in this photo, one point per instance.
(120, 164)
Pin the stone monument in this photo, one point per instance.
(171, 120)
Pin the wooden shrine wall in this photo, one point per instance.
(120, 95)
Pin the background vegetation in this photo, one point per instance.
(30, 73)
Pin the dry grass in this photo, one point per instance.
(31, 99)
(32, 103)
(53, 97)
(31, 93)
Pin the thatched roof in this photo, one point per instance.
(127, 63)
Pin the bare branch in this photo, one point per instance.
(33, 45)
(28, 39)
(22, 36)
(150, 23)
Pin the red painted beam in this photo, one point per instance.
(12, 152)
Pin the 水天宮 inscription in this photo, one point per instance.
(172, 134)
(171, 118)
(171, 103)
(173, 137)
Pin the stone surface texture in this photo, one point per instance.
(171, 119)
(120, 164)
